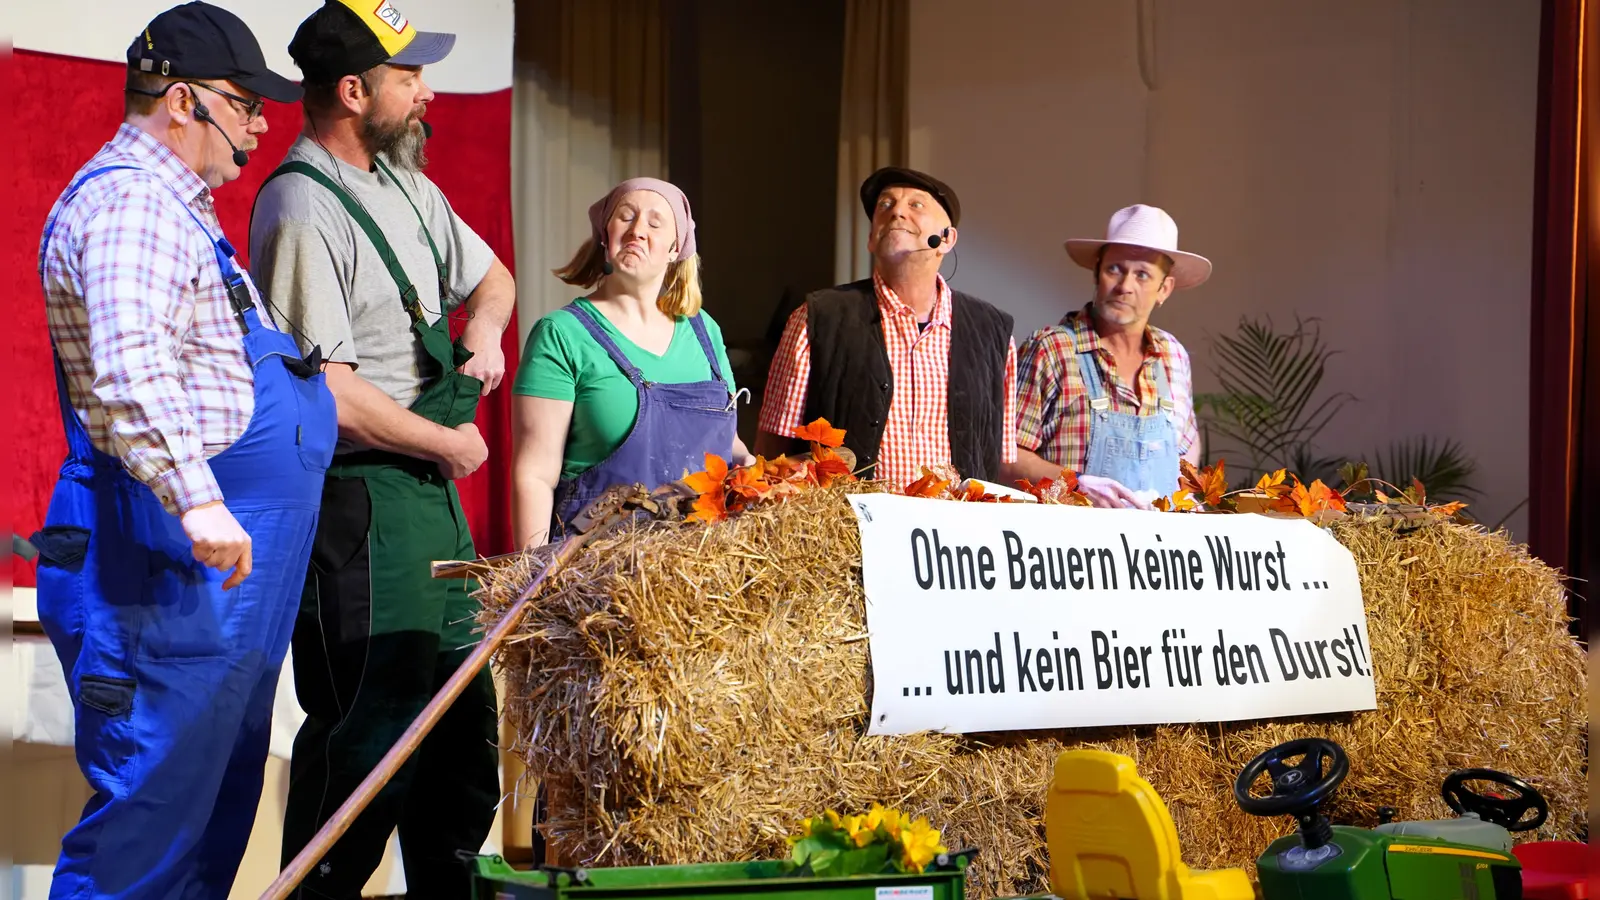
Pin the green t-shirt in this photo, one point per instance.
(561, 361)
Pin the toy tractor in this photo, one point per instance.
(1110, 836)
(1465, 857)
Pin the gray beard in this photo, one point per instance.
(400, 142)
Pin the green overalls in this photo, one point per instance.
(377, 636)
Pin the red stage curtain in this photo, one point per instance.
(75, 106)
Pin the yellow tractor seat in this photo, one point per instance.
(1110, 836)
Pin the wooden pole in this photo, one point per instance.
(346, 815)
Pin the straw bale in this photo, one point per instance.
(691, 692)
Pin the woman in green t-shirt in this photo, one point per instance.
(630, 383)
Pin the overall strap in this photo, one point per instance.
(408, 292)
(78, 444)
(604, 340)
(239, 298)
(699, 327)
(438, 261)
(1091, 381)
(1163, 391)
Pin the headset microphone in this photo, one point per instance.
(934, 240)
(606, 268)
(239, 156)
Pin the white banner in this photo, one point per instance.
(1013, 616)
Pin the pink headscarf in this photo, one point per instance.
(600, 212)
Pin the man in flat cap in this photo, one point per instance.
(917, 374)
(361, 253)
(1105, 393)
(177, 537)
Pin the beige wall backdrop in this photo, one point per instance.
(1365, 162)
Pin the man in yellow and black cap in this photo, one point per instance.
(361, 253)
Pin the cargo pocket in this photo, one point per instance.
(62, 546)
(316, 430)
(103, 720)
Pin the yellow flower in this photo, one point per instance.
(892, 820)
(860, 833)
(833, 818)
(920, 843)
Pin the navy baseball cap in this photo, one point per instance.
(198, 40)
(348, 37)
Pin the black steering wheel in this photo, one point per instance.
(1295, 789)
(1507, 812)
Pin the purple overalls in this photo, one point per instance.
(677, 425)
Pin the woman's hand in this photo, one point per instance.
(742, 455)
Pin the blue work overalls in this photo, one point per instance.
(1140, 452)
(171, 678)
(677, 425)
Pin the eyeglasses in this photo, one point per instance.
(252, 108)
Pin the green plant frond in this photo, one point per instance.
(1442, 465)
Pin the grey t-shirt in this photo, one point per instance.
(325, 283)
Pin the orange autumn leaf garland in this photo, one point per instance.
(722, 491)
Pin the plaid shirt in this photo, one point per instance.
(1053, 407)
(155, 362)
(917, 432)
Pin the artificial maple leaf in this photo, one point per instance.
(748, 483)
(1416, 494)
(1180, 501)
(827, 467)
(1062, 490)
(1448, 509)
(1273, 484)
(1326, 497)
(715, 473)
(973, 493)
(1381, 497)
(710, 506)
(1354, 475)
(783, 468)
(820, 432)
(1039, 491)
(929, 485)
(1209, 484)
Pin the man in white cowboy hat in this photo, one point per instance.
(1104, 393)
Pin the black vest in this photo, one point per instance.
(851, 383)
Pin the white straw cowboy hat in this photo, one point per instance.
(1144, 226)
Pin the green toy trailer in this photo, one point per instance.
(493, 879)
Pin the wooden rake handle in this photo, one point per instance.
(342, 819)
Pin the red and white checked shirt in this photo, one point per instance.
(917, 432)
(1053, 406)
(155, 362)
